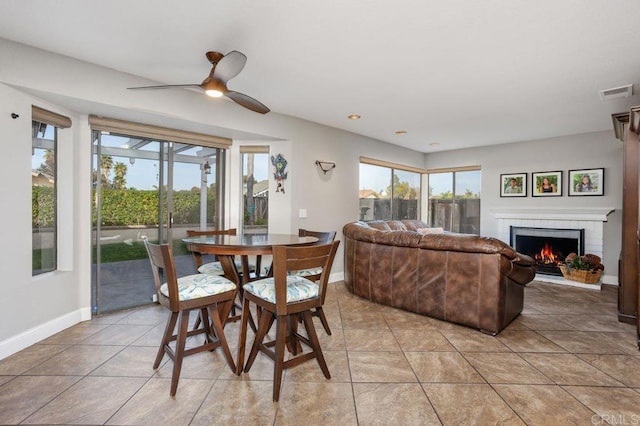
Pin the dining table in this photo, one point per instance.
(227, 247)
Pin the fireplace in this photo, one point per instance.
(591, 219)
(548, 246)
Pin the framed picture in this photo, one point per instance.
(513, 185)
(586, 182)
(546, 184)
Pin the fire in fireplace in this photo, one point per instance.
(548, 246)
(547, 255)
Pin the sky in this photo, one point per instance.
(143, 173)
(378, 178)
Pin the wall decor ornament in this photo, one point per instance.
(279, 164)
(326, 166)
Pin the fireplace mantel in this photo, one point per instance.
(597, 214)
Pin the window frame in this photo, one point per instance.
(245, 150)
(454, 192)
(39, 117)
(393, 167)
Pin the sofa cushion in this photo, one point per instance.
(428, 231)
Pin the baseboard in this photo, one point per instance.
(335, 277)
(29, 337)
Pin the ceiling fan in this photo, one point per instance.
(225, 67)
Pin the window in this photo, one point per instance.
(454, 200)
(44, 190)
(388, 191)
(255, 189)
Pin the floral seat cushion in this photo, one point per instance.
(306, 272)
(298, 288)
(215, 268)
(199, 285)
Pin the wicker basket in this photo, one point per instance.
(586, 277)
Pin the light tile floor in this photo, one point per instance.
(565, 360)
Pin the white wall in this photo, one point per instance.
(34, 308)
(585, 151)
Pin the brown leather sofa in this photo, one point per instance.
(465, 279)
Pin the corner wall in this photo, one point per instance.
(584, 151)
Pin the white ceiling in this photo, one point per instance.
(459, 73)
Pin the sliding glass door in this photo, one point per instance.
(146, 189)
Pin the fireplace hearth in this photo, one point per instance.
(548, 246)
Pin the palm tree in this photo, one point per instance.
(106, 164)
(119, 179)
(49, 165)
(251, 203)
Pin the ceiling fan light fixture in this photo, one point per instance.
(214, 87)
(214, 93)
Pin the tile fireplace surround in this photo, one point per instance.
(591, 219)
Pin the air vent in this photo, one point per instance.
(616, 92)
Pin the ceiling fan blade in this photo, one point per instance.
(247, 102)
(165, 86)
(230, 65)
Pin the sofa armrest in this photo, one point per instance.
(521, 269)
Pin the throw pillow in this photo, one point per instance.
(427, 231)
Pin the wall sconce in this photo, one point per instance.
(325, 166)
(207, 168)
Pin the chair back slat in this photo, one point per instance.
(323, 237)
(302, 257)
(305, 263)
(163, 266)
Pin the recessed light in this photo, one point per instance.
(434, 144)
(401, 132)
(353, 117)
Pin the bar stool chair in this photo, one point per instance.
(283, 299)
(210, 295)
(314, 273)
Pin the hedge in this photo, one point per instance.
(42, 211)
(124, 207)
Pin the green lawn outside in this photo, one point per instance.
(113, 252)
